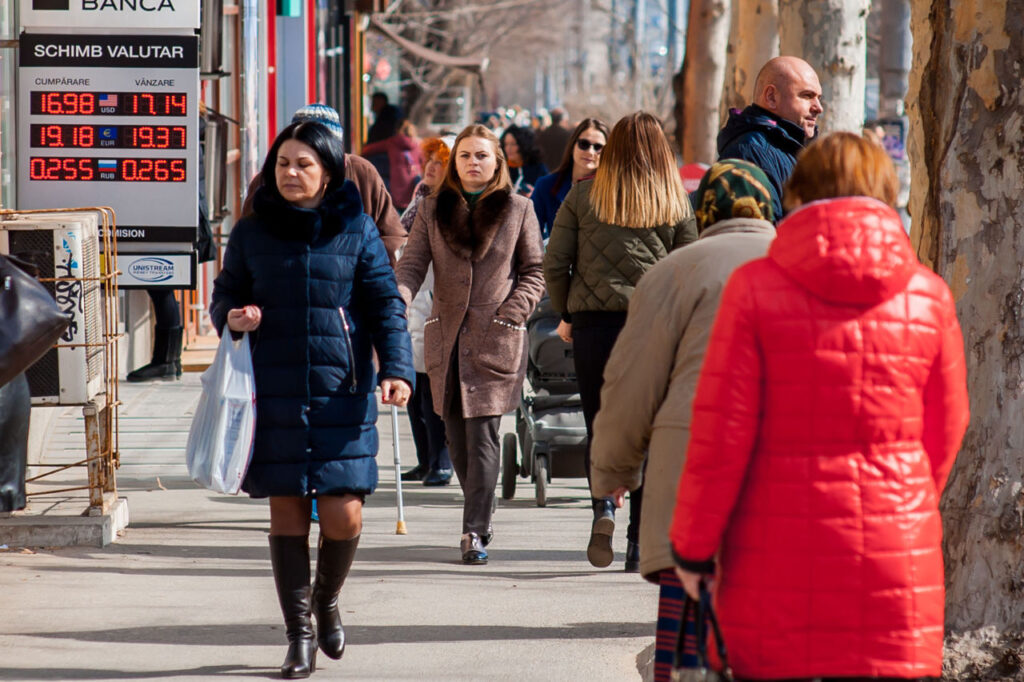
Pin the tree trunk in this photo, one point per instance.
(698, 87)
(639, 51)
(893, 57)
(753, 40)
(966, 108)
(831, 36)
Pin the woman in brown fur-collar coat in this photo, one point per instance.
(486, 248)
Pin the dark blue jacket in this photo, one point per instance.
(315, 408)
(545, 204)
(765, 140)
(525, 178)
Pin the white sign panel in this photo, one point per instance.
(133, 14)
(156, 270)
(112, 120)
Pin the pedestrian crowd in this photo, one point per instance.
(764, 367)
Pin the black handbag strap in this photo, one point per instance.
(704, 615)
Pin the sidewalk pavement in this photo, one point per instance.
(186, 592)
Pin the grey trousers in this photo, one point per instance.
(475, 452)
(474, 449)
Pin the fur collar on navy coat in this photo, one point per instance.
(334, 214)
(470, 233)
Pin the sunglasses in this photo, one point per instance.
(585, 145)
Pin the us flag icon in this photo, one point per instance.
(108, 100)
(50, 4)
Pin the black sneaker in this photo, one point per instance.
(415, 474)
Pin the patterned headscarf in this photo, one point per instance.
(732, 188)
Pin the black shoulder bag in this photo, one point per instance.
(30, 321)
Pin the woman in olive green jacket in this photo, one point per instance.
(608, 232)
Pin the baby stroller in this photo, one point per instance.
(550, 430)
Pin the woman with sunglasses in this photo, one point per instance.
(607, 234)
(579, 162)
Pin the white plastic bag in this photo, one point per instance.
(221, 438)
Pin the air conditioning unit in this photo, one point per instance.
(65, 247)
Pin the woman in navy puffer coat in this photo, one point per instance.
(308, 276)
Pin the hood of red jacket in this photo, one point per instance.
(850, 250)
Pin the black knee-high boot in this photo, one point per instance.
(289, 555)
(166, 362)
(334, 558)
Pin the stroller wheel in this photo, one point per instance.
(509, 465)
(540, 475)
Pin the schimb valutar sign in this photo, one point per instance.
(112, 120)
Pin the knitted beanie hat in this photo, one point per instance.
(323, 114)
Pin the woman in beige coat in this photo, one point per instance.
(486, 249)
(652, 374)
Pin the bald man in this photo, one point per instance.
(771, 132)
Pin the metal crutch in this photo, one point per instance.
(400, 528)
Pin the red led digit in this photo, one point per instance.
(37, 169)
(53, 136)
(161, 173)
(87, 103)
(69, 169)
(178, 170)
(85, 168)
(51, 103)
(70, 101)
(129, 170)
(176, 105)
(163, 137)
(179, 132)
(150, 103)
(84, 136)
(52, 169)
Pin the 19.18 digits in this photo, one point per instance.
(86, 169)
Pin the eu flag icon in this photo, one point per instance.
(108, 133)
(50, 4)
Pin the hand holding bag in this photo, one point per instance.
(30, 321)
(221, 437)
(705, 615)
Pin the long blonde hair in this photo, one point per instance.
(501, 179)
(637, 183)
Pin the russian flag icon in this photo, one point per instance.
(107, 165)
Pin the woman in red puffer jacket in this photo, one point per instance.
(828, 413)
